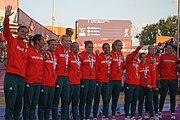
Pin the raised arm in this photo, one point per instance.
(134, 53)
(7, 33)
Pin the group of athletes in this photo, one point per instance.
(41, 74)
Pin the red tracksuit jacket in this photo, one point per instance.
(132, 69)
(103, 68)
(49, 70)
(168, 67)
(155, 64)
(34, 71)
(62, 61)
(74, 69)
(147, 74)
(116, 66)
(88, 66)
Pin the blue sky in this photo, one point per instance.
(140, 12)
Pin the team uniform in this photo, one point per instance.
(168, 80)
(132, 82)
(155, 64)
(74, 76)
(62, 84)
(115, 79)
(88, 83)
(147, 77)
(102, 83)
(47, 86)
(33, 78)
(15, 73)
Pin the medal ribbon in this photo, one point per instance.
(77, 63)
(91, 60)
(53, 59)
(66, 57)
(108, 63)
(119, 61)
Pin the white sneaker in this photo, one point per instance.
(156, 117)
(100, 114)
(94, 118)
(160, 115)
(152, 118)
(173, 117)
(127, 118)
(146, 116)
(133, 118)
(113, 117)
(140, 118)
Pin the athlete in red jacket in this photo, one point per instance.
(116, 74)
(103, 71)
(33, 78)
(132, 82)
(154, 59)
(16, 67)
(48, 82)
(62, 82)
(169, 80)
(88, 82)
(74, 76)
(147, 83)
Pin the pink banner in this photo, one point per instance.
(24, 19)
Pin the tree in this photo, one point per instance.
(163, 27)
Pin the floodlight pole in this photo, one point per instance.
(53, 16)
(178, 29)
